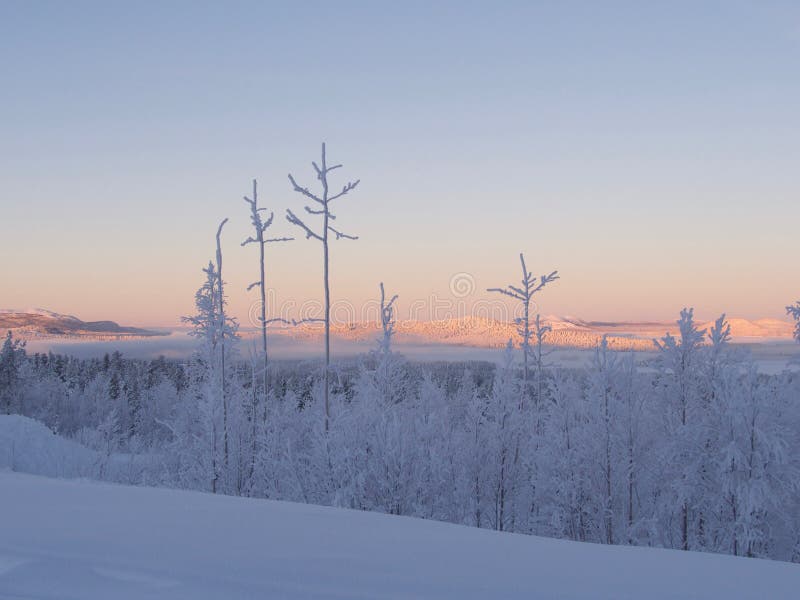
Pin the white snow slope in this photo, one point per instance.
(27, 446)
(76, 539)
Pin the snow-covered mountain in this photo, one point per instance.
(567, 332)
(38, 322)
(477, 332)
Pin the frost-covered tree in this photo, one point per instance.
(680, 363)
(635, 431)
(389, 366)
(387, 322)
(12, 360)
(794, 312)
(503, 431)
(260, 225)
(524, 292)
(206, 383)
(604, 376)
(563, 476)
(616, 453)
(211, 328)
(747, 474)
(753, 473)
(108, 437)
(223, 323)
(321, 206)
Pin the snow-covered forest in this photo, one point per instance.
(701, 452)
(698, 452)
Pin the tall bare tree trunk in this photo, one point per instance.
(326, 278)
(222, 324)
(263, 292)
(322, 171)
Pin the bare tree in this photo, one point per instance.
(222, 324)
(260, 227)
(385, 359)
(323, 208)
(529, 286)
(387, 323)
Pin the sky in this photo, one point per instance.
(647, 151)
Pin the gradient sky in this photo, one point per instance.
(649, 151)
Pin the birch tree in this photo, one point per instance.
(387, 366)
(260, 226)
(320, 205)
(387, 323)
(222, 324)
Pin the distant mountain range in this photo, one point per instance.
(38, 323)
(476, 332)
(570, 332)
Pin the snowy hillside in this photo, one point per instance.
(567, 332)
(27, 446)
(74, 539)
(38, 322)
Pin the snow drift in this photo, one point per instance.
(28, 446)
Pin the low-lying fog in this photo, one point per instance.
(772, 355)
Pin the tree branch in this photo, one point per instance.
(350, 186)
(339, 235)
(506, 292)
(304, 191)
(276, 320)
(292, 218)
(308, 320)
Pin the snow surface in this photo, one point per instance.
(77, 539)
(28, 446)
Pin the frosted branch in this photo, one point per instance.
(304, 191)
(506, 292)
(339, 235)
(350, 186)
(309, 320)
(277, 320)
(294, 220)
